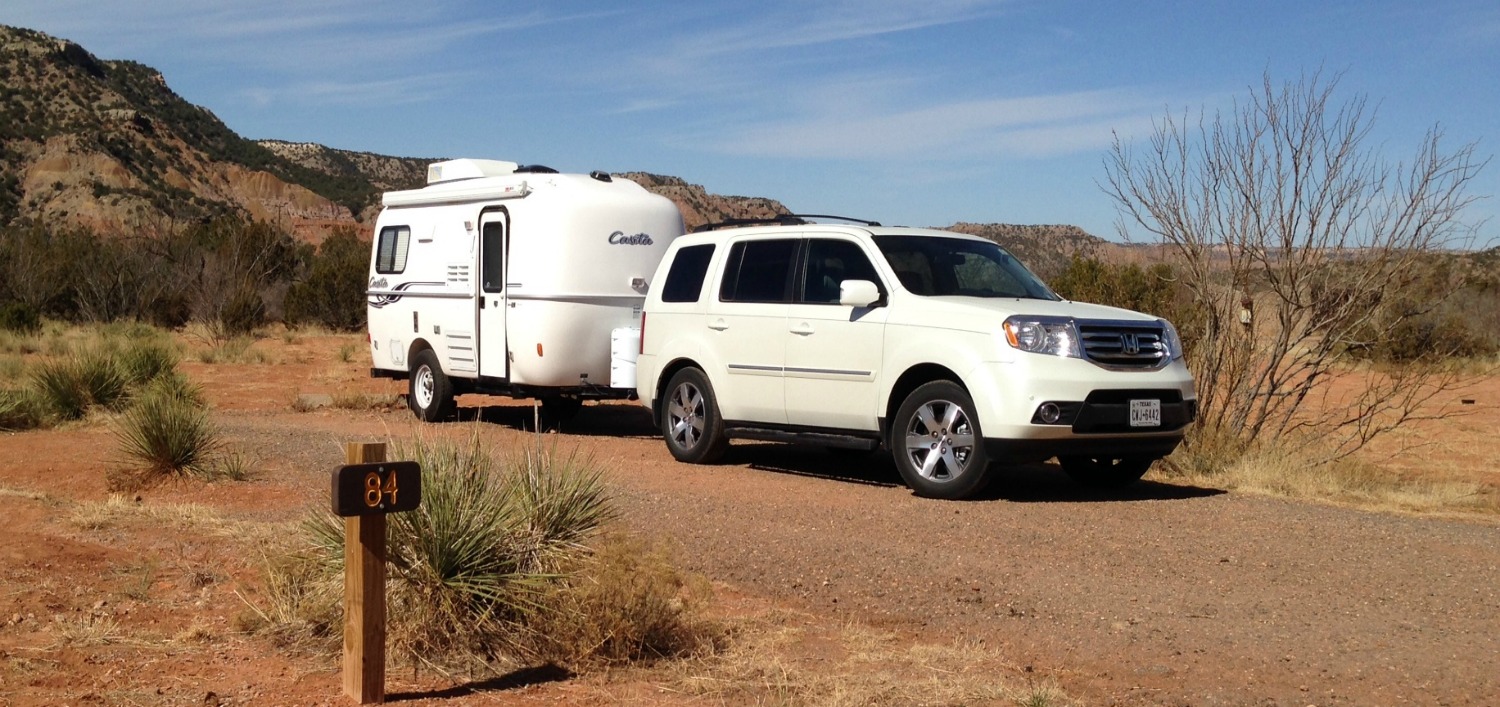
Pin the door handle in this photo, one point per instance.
(718, 325)
(804, 329)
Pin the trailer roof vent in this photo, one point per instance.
(454, 170)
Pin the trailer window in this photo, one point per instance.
(390, 252)
(685, 278)
(494, 256)
(759, 271)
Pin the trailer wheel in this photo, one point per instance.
(690, 419)
(430, 396)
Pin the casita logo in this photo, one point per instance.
(619, 238)
(377, 282)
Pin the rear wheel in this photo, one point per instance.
(690, 419)
(937, 444)
(1105, 472)
(430, 395)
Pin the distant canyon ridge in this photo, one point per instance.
(107, 145)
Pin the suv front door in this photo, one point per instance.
(833, 351)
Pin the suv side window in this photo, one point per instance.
(830, 262)
(759, 271)
(685, 278)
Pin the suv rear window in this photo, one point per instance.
(685, 278)
(759, 271)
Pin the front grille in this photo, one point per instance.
(1123, 345)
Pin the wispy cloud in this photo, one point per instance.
(384, 92)
(1032, 126)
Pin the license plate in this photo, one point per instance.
(1145, 413)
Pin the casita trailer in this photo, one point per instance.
(511, 280)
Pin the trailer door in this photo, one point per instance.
(494, 228)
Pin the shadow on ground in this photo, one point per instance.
(594, 420)
(1024, 483)
(509, 681)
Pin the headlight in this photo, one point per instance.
(1043, 335)
(1171, 339)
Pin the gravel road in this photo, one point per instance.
(1164, 595)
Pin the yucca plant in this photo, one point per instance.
(166, 434)
(60, 390)
(467, 568)
(144, 360)
(18, 410)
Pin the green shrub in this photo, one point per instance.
(19, 317)
(165, 435)
(333, 294)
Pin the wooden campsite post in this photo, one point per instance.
(364, 490)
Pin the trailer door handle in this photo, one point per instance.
(803, 329)
(718, 324)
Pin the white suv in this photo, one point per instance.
(938, 346)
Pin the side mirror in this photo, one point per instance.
(858, 293)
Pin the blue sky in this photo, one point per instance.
(916, 113)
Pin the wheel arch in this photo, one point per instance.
(911, 379)
(659, 386)
(418, 346)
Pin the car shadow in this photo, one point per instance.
(593, 420)
(510, 681)
(1022, 483)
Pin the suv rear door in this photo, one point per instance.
(749, 329)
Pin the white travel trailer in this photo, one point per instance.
(510, 280)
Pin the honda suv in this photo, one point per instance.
(939, 347)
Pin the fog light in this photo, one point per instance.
(1049, 413)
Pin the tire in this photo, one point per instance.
(937, 444)
(557, 410)
(429, 393)
(690, 420)
(1105, 472)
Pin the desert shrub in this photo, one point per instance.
(497, 556)
(19, 317)
(165, 434)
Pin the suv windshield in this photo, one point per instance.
(934, 267)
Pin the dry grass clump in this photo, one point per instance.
(497, 568)
(626, 603)
(1292, 472)
(239, 349)
(781, 658)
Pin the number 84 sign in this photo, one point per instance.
(371, 489)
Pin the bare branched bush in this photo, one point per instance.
(1299, 244)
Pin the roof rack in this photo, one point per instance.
(780, 219)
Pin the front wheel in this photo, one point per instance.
(1105, 472)
(690, 419)
(430, 395)
(937, 443)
